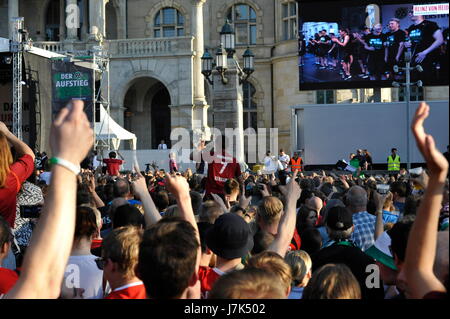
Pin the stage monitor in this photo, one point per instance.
(365, 44)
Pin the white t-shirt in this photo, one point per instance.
(271, 165)
(284, 159)
(162, 146)
(95, 162)
(82, 272)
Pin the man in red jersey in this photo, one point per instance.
(113, 164)
(221, 167)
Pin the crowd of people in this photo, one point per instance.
(371, 54)
(225, 234)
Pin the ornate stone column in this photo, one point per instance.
(228, 107)
(13, 12)
(97, 16)
(200, 107)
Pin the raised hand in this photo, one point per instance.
(379, 200)
(436, 162)
(264, 191)
(293, 188)
(417, 128)
(139, 186)
(71, 135)
(221, 203)
(177, 185)
(244, 201)
(3, 128)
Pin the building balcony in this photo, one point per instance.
(126, 48)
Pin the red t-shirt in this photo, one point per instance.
(132, 291)
(113, 165)
(296, 241)
(96, 243)
(19, 172)
(221, 169)
(208, 277)
(8, 279)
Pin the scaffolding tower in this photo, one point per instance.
(100, 59)
(17, 47)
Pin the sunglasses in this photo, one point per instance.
(100, 262)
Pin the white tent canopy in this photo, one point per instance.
(108, 129)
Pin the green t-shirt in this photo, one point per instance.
(354, 162)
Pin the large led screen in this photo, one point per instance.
(362, 44)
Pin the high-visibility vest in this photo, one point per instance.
(296, 164)
(393, 164)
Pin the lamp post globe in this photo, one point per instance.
(221, 59)
(249, 63)
(227, 37)
(207, 60)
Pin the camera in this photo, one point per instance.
(415, 172)
(30, 211)
(383, 189)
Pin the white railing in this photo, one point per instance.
(128, 48)
(149, 47)
(57, 47)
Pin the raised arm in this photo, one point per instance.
(342, 44)
(379, 202)
(46, 258)
(286, 226)
(422, 241)
(179, 187)
(151, 213)
(20, 147)
(98, 201)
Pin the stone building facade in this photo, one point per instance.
(155, 48)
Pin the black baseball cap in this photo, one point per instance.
(230, 237)
(339, 218)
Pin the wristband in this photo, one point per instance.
(68, 165)
(240, 208)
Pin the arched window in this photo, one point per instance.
(249, 106)
(243, 18)
(169, 22)
(289, 18)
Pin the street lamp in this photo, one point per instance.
(227, 37)
(407, 86)
(207, 65)
(221, 63)
(249, 64)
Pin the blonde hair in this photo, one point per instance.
(270, 209)
(247, 283)
(332, 281)
(300, 263)
(122, 247)
(6, 159)
(98, 215)
(273, 263)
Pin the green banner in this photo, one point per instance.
(70, 81)
(72, 84)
